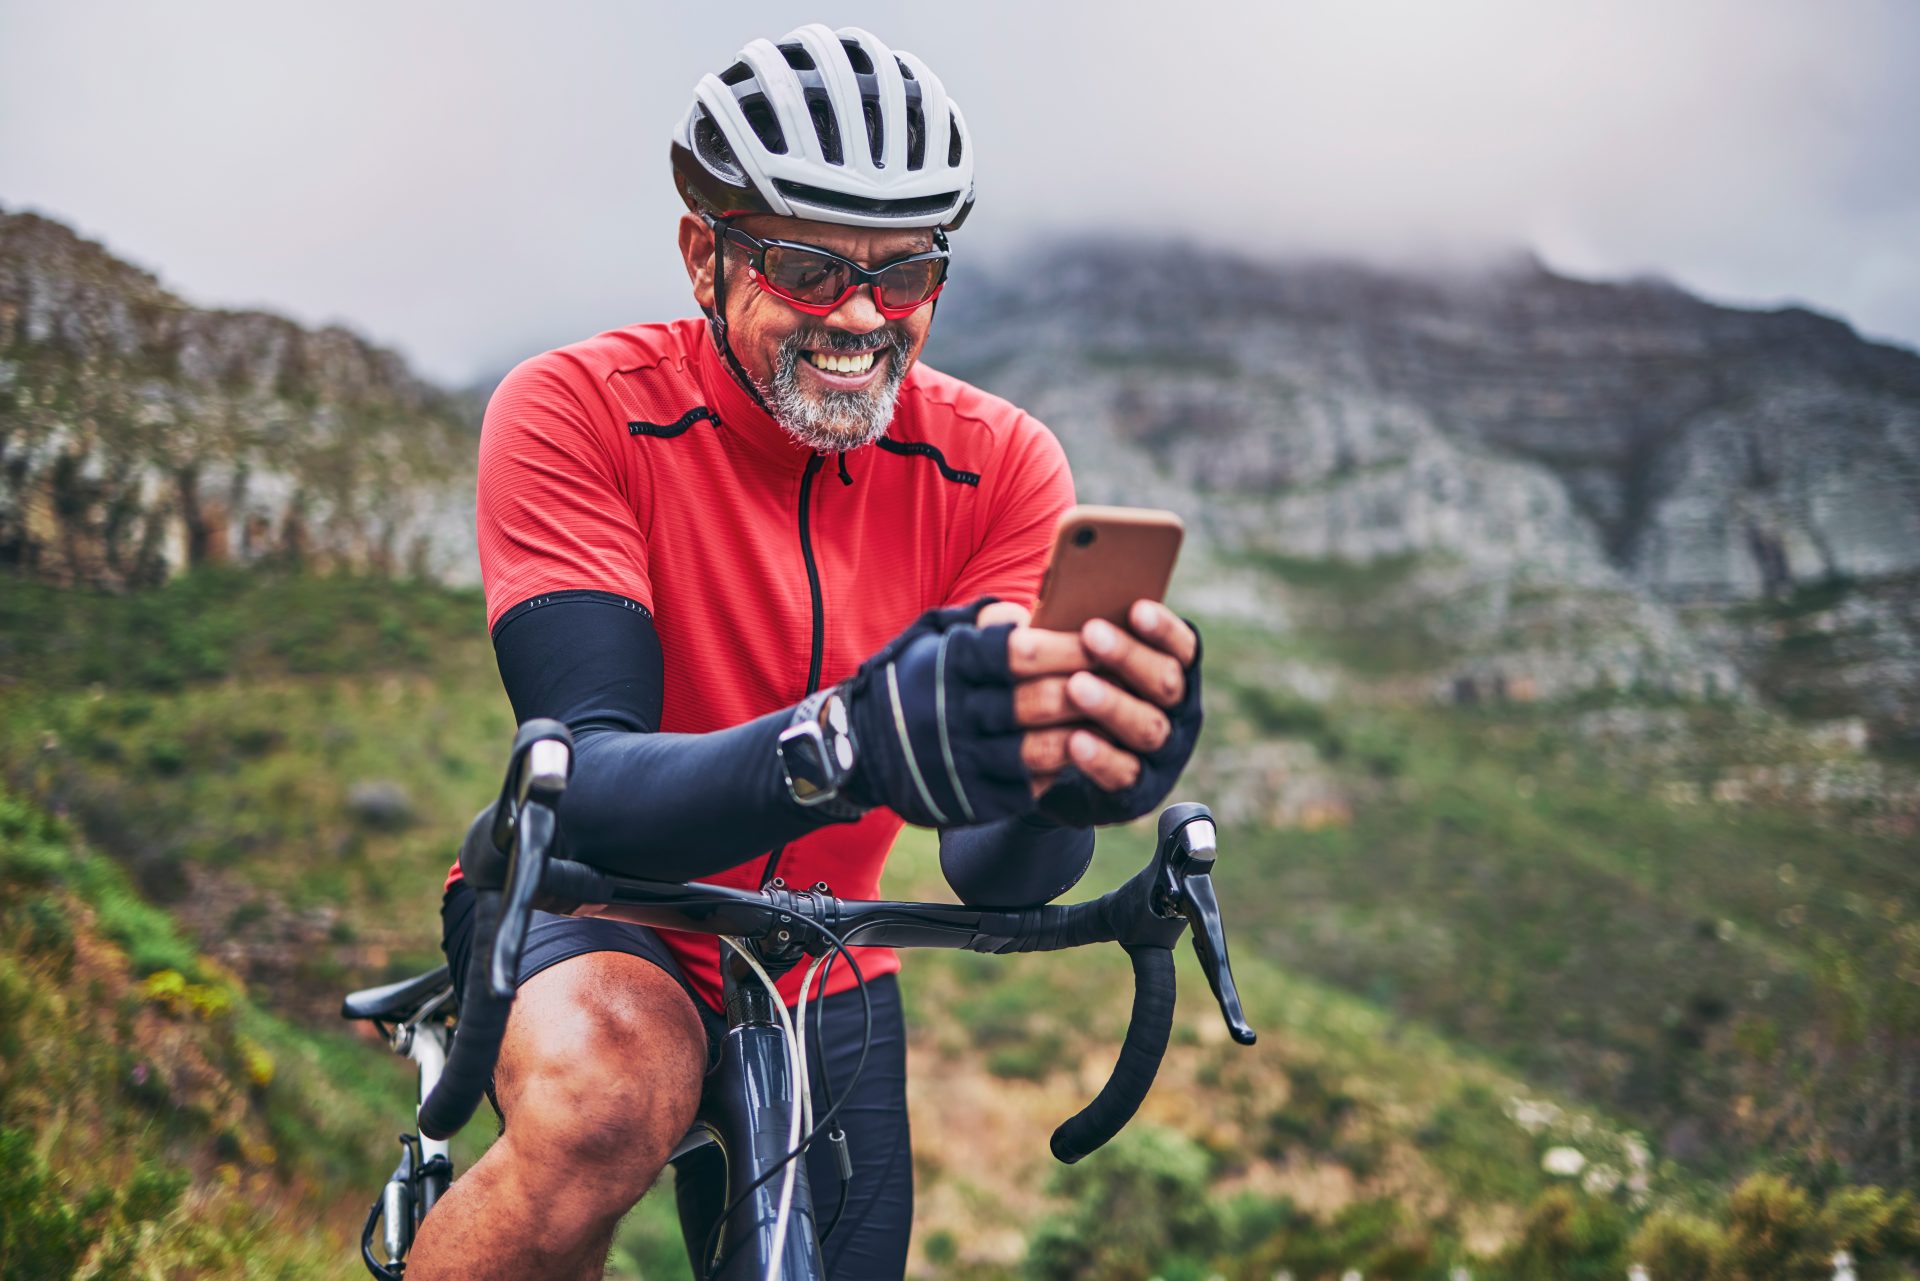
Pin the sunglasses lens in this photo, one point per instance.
(908, 284)
(804, 275)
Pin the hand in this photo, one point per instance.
(933, 720)
(1143, 715)
(1062, 702)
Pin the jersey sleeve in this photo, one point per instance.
(554, 512)
(1023, 498)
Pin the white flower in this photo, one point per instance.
(1599, 1180)
(1563, 1163)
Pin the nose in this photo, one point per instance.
(857, 313)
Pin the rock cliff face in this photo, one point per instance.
(1600, 483)
(1574, 484)
(140, 435)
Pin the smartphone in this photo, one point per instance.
(1104, 559)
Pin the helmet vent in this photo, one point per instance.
(953, 144)
(825, 126)
(876, 132)
(906, 72)
(916, 136)
(738, 72)
(797, 57)
(862, 64)
(712, 148)
(765, 125)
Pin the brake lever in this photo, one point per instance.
(536, 778)
(1188, 836)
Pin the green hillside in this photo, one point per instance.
(1502, 930)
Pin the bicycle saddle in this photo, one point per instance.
(393, 1002)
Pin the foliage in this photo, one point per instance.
(121, 1093)
(219, 622)
(1679, 1247)
(1569, 1236)
(1137, 1208)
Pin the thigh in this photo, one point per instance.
(871, 1239)
(603, 1057)
(606, 1045)
(552, 940)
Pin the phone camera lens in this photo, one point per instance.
(1084, 537)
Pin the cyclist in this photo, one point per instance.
(744, 557)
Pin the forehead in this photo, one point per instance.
(862, 244)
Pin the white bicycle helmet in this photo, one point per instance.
(828, 125)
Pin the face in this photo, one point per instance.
(790, 354)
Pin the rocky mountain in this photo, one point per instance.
(1540, 485)
(1590, 483)
(140, 435)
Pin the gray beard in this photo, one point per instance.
(832, 421)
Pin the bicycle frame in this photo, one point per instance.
(425, 1170)
(748, 1109)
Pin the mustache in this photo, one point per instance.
(885, 338)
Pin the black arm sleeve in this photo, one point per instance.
(672, 807)
(1017, 862)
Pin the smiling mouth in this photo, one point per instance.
(846, 364)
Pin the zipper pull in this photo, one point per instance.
(845, 479)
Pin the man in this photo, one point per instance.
(703, 539)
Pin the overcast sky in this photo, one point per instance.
(472, 182)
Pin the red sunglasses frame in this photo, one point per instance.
(860, 276)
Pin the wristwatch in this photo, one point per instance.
(817, 755)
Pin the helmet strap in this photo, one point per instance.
(717, 316)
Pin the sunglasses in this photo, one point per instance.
(816, 281)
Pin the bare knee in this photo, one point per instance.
(600, 1076)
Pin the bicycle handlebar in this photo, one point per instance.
(1146, 916)
(523, 816)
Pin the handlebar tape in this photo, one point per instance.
(1140, 1055)
(476, 1041)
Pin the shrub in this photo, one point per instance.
(1774, 1233)
(1139, 1208)
(1569, 1236)
(1678, 1247)
(42, 1232)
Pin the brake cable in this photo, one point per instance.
(838, 948)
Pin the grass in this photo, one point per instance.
(1513, 944)
(165, 1126)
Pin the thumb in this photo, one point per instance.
(1003, 611)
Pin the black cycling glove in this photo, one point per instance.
(933, 729)
(1074, 801)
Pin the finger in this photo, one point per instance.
(1003, 611)
(1105, 766)
(1133, 723)
(1155, 676)
(1042, 701)
(1164, 630)
(1044, 751)
(1035, 651)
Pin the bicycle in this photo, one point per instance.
(756, 1115)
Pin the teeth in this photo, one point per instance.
(842, 364)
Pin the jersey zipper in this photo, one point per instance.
(819, 612)
(813, 570)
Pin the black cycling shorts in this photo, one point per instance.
(871, 1239)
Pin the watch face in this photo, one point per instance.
(809, 776)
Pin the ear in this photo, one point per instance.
(696, 251)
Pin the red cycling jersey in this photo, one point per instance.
(632, 463)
